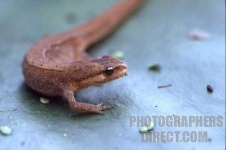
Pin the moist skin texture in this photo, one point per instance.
(58, 65)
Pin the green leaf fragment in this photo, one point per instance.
(118, 54)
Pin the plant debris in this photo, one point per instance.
(5, 130)
(150, 126)
(143, 129)
(164, 86)
(147, 127)
(118, 54)
(70, 18)
(8, 110)
(209, 88)
(197, 34)
(44, 100)
(155, 67)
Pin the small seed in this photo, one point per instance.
(143, 129)
(155, 67)
(44, 100)
(150, 126)
(209, 88)
(5, 130)
(118, 54)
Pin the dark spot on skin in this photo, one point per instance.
(109, 70)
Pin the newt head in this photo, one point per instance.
(104, 69)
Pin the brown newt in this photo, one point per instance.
(58, 65)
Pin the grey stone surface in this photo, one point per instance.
(157, 33)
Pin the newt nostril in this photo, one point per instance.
(105, 56)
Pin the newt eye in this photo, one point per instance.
(109, 70)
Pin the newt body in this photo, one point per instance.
(58, 65)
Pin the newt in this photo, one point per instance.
(58, 65)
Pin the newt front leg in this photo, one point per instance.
(83, 107)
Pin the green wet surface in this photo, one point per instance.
(157, 33)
